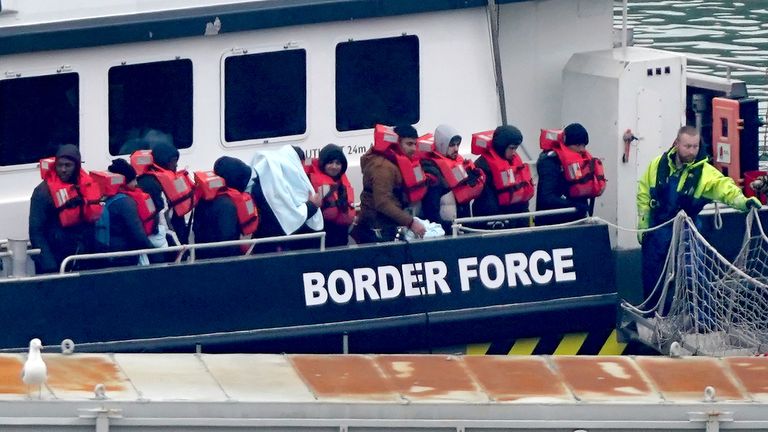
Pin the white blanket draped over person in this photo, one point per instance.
(286, 189)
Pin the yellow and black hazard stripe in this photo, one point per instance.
(595, 342)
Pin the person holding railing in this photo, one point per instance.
(680, 179)
(393, 184)
(225, 211)
(509, 186)
(63, 209)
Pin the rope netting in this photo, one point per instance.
(705, 303)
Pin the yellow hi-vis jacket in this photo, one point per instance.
(713, 185)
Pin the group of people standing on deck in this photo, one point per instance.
(407, 180)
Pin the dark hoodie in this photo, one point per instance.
(216, 220)
(487, 203)
(45, 231)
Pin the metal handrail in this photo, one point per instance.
(728, 65)
(29, 252)
(4, 242)
(183, 248)
(458, 222)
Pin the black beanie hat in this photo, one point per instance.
(163, 152)
(69, 151)
(575, 133)
(505, 136)
(234, 171)
(120, 166)
(332, 152)
(406, 131)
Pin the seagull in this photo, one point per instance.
(35, 372)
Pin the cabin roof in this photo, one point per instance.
(88, 31)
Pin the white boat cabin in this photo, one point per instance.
(232, 77)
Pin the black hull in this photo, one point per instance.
(259, 304)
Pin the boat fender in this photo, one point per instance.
(67, 346)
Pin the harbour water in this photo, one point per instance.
(720, 30)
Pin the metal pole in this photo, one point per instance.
(624, 25)
(345, 343)
(493, 17)
(18, 249)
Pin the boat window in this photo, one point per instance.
(149, 102)
(37, 114)
(265, 95)
(377, 81)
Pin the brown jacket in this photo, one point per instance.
(381, 202)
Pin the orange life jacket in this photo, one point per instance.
(46, 165)
(585, 174)
(424, 146)
(455, 174)
(111, 184)
(385, 143)
(145, 207)
(512, 180)
(208, 186)
(65, 196)
(326, 186)
(141, 160)
(177, 186)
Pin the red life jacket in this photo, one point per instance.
(385, 143)
(208, 186)
(46, 165)
(141, 160)
(424, 146)
(111, 184)
(63, 194)
(247, 213)
(176, 186)
(512, 180)
(455, 174)
(326, 186)
(145, 207)
(585, 174)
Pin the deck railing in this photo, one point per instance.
(460, 224)
(181, 250)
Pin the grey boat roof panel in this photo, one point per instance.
(390, 379)
(151, 392)
(190, 22)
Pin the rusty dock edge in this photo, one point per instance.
(394, 392)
